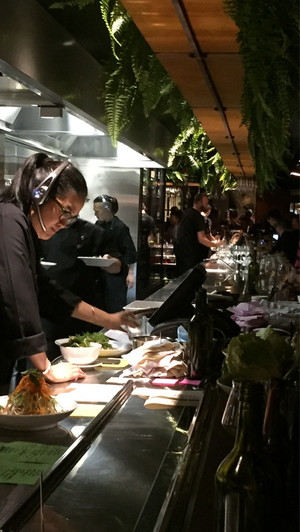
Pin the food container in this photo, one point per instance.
(79, 355)
(138, 341)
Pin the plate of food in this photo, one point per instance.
(31, 407)
(108, 348)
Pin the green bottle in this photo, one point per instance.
(247, 485)
(200, 338)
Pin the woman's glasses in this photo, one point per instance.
(66, 217)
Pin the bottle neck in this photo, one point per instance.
(249, 435)
(201, 301)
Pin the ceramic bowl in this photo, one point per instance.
(79, 355)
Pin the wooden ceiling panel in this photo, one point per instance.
(226, 71)
(215, 31)
(188, 78)
(195, 40)
(160, 25)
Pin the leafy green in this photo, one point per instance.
(85, 339)
(251, 358)
(282, 349)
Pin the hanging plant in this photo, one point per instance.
(135, 80)
(194, 158)
(268, 42)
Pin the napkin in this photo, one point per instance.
(156, 358)
(120, 337)
(248, 315)
(159, 399)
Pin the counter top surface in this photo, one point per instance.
(122, 477)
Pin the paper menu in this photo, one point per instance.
(23, 462)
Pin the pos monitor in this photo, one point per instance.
(179, 303)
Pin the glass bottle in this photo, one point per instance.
(229, 419)
(247, 488)
(238, 283)
(253, 274)
(245, 296)
(200, 337)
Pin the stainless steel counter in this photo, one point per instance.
(120, 474)
(128, 469)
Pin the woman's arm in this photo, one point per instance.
(130, 280)
(85, 312)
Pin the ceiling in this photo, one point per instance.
(196, 43)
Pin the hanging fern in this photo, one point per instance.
(135, 79)
(268, 37)
(116, 19)
(193, 157)
(71, 3)
(119, 102)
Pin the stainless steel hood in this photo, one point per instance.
(43, 66)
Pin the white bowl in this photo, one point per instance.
(79, 355)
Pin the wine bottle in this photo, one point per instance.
(247, 486)
(200, 337)
(253, 274)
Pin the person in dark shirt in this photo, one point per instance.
(81, 239)
(117, 234)
(172, 224)
(44, 196)
(84, 239)
(192, 242)
(288, 240)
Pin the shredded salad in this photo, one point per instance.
(31, 397)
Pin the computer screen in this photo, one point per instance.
(179, 303)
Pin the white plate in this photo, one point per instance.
(217, 270)
(47, 264)
(97, 261)
(117, 349)
(37, 422)
(143, 305)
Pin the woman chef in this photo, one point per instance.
(44, 196)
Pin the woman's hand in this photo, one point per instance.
(122, 318)
(115, 267)
(63, 372)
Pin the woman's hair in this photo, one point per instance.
(110, 200)
(34, 170)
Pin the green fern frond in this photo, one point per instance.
(118, 105)
(268, 40)
(71, 3)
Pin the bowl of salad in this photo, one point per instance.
(78, 350)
